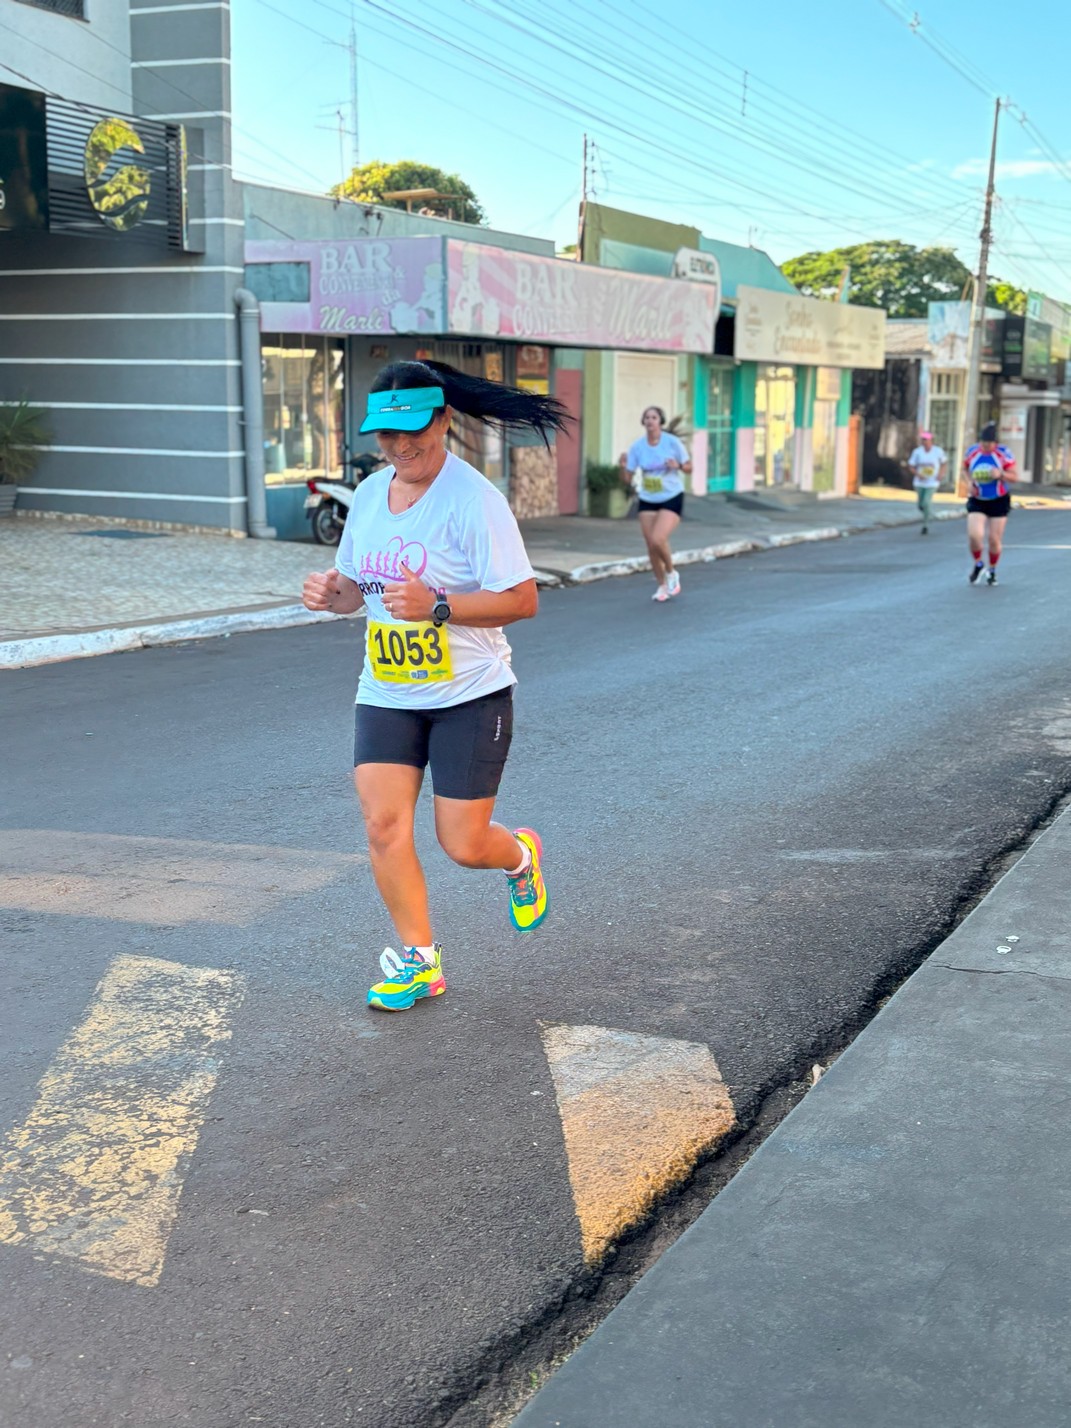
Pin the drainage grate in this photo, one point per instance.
(128, 535)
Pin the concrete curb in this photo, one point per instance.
(50, 649)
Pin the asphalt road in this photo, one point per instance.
(760, 805)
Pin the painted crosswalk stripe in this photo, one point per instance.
(95, 1171)
(637, 1112)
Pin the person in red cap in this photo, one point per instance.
(928, 465)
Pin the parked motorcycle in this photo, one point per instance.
(328, 503)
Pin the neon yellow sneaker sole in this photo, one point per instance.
(408, 979)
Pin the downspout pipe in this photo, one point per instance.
(256, 505)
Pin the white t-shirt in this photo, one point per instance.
(656, 483)
(927, 467)
(460, 537)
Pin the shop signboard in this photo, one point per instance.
(948, 334)
(1027, 348)
(507, 295)
(790, 329)
(23, 159)
(1058, 316)
(373, 286)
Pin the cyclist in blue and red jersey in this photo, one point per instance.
(989, 467)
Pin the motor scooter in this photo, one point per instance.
(328, 503)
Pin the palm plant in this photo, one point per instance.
(24, 434)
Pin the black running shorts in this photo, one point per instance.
(465, 745)
(994, 509)
(674, 504)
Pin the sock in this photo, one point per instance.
(977, 555)
(993, 558)
(525, 863)
(428, 953)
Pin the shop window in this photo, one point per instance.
(303, 407)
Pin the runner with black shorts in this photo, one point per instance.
(659, 458)
(989, 467)
(433, 552)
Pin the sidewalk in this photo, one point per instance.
(80, 586)
(897, 1253)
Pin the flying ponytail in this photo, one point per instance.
(493, 403)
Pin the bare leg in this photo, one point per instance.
(665, 523)
(467, 835)
(996, 538)
(976, 523)
(648, 521)
(388, 794)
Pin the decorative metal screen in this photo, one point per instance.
(76, 9)
(109, 175)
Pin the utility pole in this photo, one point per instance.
(969, 415)
(353, 87)
(583, 206)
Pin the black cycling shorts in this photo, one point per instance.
(994, 509)
(465, 745)
(674, 504)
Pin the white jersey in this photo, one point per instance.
(927, 467)
(459, 537)
(657, 481)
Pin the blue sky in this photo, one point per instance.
(847, 125)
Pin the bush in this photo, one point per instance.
(24, 434)
(602, 478)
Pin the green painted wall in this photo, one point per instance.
(602, 222)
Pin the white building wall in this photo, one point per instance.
(84, 60)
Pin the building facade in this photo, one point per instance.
(768, 405)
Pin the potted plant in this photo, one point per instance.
(607, 493)
(24, 434)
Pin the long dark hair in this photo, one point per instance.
(493, 403)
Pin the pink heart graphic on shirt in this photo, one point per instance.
(410, 553)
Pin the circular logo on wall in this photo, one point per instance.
(118, 191)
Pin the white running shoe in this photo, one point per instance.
(673, 584)
(661, 594)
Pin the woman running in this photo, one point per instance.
(989, 466)
(660, 458)
(433, 551)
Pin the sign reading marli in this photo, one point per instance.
(492, 292)
(364, 285)
(777, 327)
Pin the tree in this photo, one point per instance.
(369, 182)
(897, 276)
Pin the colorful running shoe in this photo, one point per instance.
(529, 901)
(407, 978)
(661, 594)
(673, 584)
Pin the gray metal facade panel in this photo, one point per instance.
(123, 382)
(229, 517)
(138, 473)
(107, 337)
(153, 430)
(175, 292)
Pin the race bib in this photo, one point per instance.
(927, 471)
(409, 654)
(652, 483)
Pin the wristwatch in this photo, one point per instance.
(440, 611)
